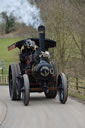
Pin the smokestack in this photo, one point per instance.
(41, 30)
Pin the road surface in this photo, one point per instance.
(41, 113)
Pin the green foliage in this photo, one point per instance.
(9, 22)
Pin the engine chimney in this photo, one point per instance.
(41, 30)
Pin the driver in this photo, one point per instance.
(30, 44)
(29, 47)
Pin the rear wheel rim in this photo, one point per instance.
(11, 89)
(11, 85)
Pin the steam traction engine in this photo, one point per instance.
(35, 72)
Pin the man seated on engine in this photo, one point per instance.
(29, 48)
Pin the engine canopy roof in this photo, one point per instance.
(19, 44)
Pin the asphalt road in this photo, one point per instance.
(41, 112)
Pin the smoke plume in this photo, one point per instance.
(23, 10)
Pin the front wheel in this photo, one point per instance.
(62, 88)
(25, 90)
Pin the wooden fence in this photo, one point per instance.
(76, 85)
(3, 79)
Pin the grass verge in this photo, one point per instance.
(77, 95)
(6, 56)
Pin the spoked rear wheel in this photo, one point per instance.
(12, 82)
(14, 71)
(62, 88)
(26, 90)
